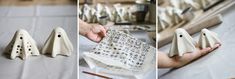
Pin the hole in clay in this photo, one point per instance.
(20, 49)
(59, 35)
(181, 35)
(29, 49)
(21, 37)
(204, 34)
(18, 45)
(31, 52)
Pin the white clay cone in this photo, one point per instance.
(58, 43)
(208, 39)
(182, 43)
(161, 24)
(22, 45)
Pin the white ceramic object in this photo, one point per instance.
(183, 4)
(203, 3)
(182, 43)
(166, 17)
(173, 15)
(119, 13)
(208, 39)
(162, 24)
(192, 4)
(58, 43)
(108, 13)
(177, 17)
(86, 13)
(99, 8)
(22, 45)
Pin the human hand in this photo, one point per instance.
(189, 57)
(94, 32)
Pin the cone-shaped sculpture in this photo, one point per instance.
(182, 43)
(208, 39)
(22, 45)
(58, 43)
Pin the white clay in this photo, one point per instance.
(182, 43)
(162, 24)
(183, 4)
(22, 45)
(108, 13)
(119, 13)
(177, 17)
(203, 3)
(58, 43)
(192, 4)
(208, 39)
(86, 15)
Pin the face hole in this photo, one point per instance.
(21, 37)
(59, 36)
(31, 52)
(18, 45)
(181, 35)
(29, 49)
(204, 34)
(17, 51)
(20, 49)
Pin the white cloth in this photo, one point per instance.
(39, 21)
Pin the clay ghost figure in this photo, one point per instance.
(22, 45)
(208, 39)
(58, 43)
(182, 43)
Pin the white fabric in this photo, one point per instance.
(39, 27)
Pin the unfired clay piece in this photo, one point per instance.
(182, 43)
(22, 45)
(58, 43)
(208, 39)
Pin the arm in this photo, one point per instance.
(94, 32)
(166, 62)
